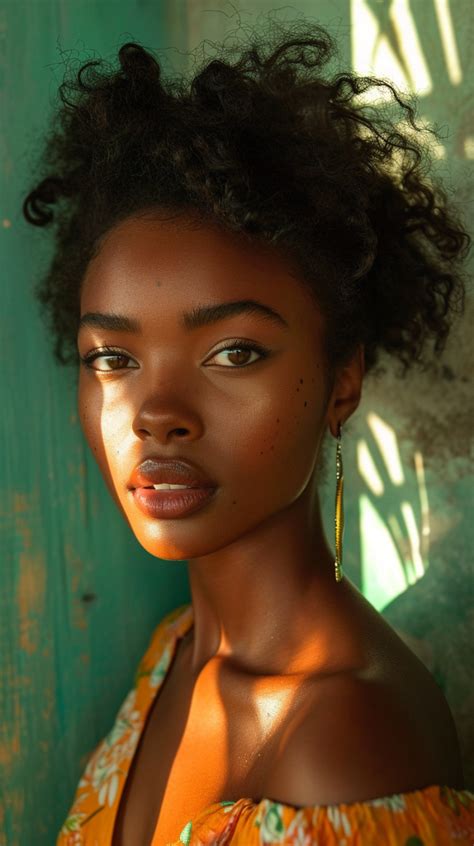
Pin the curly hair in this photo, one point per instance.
(269, 146)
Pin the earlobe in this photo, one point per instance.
(347, 391)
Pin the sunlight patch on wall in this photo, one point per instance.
(414, 561)
(382, 573)
(424, 507)
(394, 53)
(388, 446)
(469, 147)
(393, 542)
(368, 470)
(386, 44)
(448, 41)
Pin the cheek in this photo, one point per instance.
(276, 446)
(91, 415)
(96, 420)
(101, 424)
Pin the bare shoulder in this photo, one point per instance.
(370, 731)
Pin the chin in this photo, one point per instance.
(161, 544)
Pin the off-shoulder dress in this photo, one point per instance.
(436, 815)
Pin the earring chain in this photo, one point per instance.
(339, 519)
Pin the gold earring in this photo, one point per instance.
(339, 521)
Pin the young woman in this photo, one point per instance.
(232, 255)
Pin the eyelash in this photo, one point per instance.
(117, 353)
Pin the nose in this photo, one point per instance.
(165, 425)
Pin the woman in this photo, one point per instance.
(232, 255)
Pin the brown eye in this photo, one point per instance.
(107, 353)
(239, 351)
(240, 355)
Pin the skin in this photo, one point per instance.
(280, 653)
(264, 527)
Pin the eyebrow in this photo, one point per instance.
(202, 315)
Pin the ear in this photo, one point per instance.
(347, 391)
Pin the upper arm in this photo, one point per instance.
(358, 741)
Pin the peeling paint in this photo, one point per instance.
(76, 570)
(31, 580)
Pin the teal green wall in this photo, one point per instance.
(78, 595)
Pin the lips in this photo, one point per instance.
(171, 505)
(171, 471)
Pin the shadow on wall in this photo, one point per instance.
(414, 488)
(413, 562)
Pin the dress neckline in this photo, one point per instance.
(159, 658)
(93, 815)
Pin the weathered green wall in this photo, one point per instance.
(78, 595)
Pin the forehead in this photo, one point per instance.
(150, 263)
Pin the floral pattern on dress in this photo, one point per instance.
(417, 818)
(270, 821)
(339, 820)
(434, 815)
(99, 786)
(103, 769)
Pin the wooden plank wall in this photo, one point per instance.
(78, 595)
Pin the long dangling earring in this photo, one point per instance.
(339, 521)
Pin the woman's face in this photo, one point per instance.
(253, 423)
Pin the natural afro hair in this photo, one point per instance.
(267, 145)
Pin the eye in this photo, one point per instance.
(110, 353)
(236, 348)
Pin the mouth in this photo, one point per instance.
(172, 501)
(168, 473)
(167, 487)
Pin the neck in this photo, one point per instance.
(254, 600)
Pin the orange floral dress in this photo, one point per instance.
(434, 815)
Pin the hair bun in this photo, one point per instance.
(136, 61)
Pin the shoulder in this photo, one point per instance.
(361, 739)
